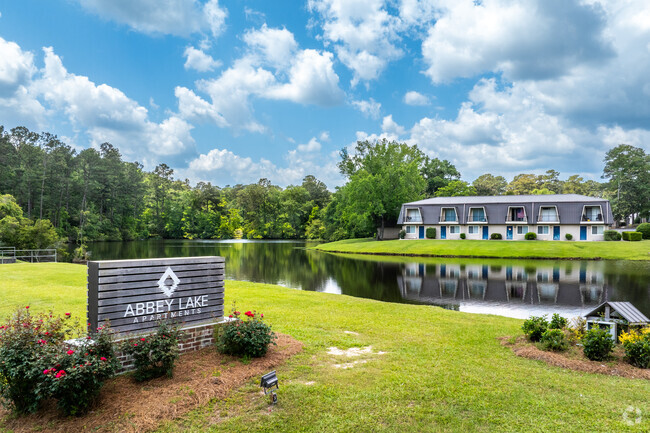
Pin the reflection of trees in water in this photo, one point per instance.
(371, 277)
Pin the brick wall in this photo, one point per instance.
(196, 337)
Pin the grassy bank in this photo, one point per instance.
(427, 369)
(495, 249)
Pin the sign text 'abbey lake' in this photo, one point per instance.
(133, 295)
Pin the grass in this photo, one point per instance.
(440, 371)
(495, 249)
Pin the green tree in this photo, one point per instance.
(488, 184)
(382, 176)
(438, 173)
(522, 184)
(628, 170)
(456, 188)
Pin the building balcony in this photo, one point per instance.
(448, 220)
(413, 219)
(514, 220)
(548, 219)
(477, 219)
(588, 219)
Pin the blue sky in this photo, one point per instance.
(231, 91)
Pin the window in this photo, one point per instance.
(477, 214)
(449, 214)
(597, 230)
(592, 213)
(413, 215)
(410, 229)
(473, 230)
(516, 214)
(522, 230)
(548, 214)
(542, 230)
(454, 229)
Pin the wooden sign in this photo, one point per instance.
(136, 294)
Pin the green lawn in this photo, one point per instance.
(495, 249)
(440, 371)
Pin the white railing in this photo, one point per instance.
(11, 255)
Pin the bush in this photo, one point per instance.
(76, 374)
(496, 236)
(534, 327)
(557, 322)
(598, 344)
(611, 235)
(554, 339)
(530, 236)
(637, 347)
(431, 232)
(155, 354)
(463, 235)
(568, 236)
(635, 236)
(625, 236)
(644, 229)
(402, 234)
(577, 328)
(25, 342)
(245, 336)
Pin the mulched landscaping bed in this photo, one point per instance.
(126, 406)
(573, 359)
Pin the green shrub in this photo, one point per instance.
(635, 236)
(534, 327)
(637, 347)
(76, 374)
(155, 354)
(496, 236)
(598, 344)
(463, 235)
(554, 339)
(644, 229)
(557, 322)
(402, 234)
(625, 236)
(530, 236)
(611, 235)
(431, 232)
(25, 342)
(568, 236)
(245, 336)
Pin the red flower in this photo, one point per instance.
(67, 314)
(70, 352)
(27, 307)
(262, 315)
(135, 344)
(142, 339)
(46, 371)
(60, 374)
(249, 314)
(103, 359)
(230, 316)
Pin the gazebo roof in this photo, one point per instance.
(625, 310)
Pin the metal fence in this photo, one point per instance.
(11, 255)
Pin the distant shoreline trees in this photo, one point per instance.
(96, 195)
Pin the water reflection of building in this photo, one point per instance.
(566, 289)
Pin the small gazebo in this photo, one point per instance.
(617, 316)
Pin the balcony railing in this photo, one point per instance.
(443, 219)
(477, 219)
(511, 219)
(548, 219)
(413, 219)
(598, 217)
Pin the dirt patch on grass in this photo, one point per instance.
(126, 406)
(573, 359)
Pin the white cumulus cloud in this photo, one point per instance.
(415, 98)
(199, 61)
(369, 108)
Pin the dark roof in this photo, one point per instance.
(544, 198)
(625, 309)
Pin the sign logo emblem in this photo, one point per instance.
(168, 290)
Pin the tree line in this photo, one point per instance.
(95, 195)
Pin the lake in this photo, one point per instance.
(513, 288)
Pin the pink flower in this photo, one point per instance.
(46, 371)
(261, 315)
(70, 352)
(103, 359)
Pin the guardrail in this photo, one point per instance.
(11, 255)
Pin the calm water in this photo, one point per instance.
(514, 288)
